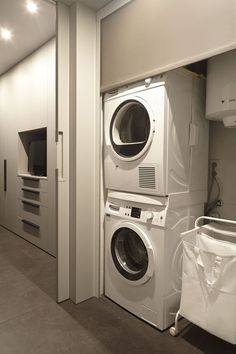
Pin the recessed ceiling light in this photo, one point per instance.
(6, 34)
(32, 7)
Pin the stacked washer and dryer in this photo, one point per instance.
(155, 168)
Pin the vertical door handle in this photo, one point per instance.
(5, 175)
(60, 157)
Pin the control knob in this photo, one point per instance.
(149, 215)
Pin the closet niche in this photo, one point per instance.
(221, 110)
(32, 153)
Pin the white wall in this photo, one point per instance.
(145, 38)
(223, 148)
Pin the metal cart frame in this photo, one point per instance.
(174, 330)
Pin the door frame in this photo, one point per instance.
(100, 193)
(62, 140)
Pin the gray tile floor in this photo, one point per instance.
(32, 322)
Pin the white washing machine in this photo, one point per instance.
(143, 252)
(156, 135)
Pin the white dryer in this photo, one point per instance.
(156, 135)
(142, 252)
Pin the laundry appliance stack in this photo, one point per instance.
(155, 168)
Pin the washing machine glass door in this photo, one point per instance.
(132, 254)
(131, 130)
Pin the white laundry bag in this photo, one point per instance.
(209, 284)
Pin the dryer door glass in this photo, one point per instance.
(130, 128)
(129, 254)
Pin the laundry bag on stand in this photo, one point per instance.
(208, 297)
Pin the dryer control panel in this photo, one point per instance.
(155, 215)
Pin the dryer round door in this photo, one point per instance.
(132, 253)
(131, 129)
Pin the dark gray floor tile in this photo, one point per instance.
(17, 304)
(47, 330)
(205, 342)
(120, 332)
(32, 322)
(22, 257)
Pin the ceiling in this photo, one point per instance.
(29, 30)
(93, 4)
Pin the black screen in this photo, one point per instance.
(136, 212)
(37, 158)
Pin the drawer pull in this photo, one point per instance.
(30, 224)
(5, 175)
(30, 203)
(30, 190)
(31, 178)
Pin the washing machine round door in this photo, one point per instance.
(132, 253)
(131, 129)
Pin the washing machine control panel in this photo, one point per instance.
(145, 215)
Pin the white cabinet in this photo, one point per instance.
(8, 157)
(27, 103)
(34, 219)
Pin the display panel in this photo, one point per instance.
(136, 212)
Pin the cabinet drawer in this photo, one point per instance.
(35, 183)
(33, 196)
(34, 228)
(32, 211)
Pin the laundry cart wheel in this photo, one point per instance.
(173, 331)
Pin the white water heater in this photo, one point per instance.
(221, 89)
